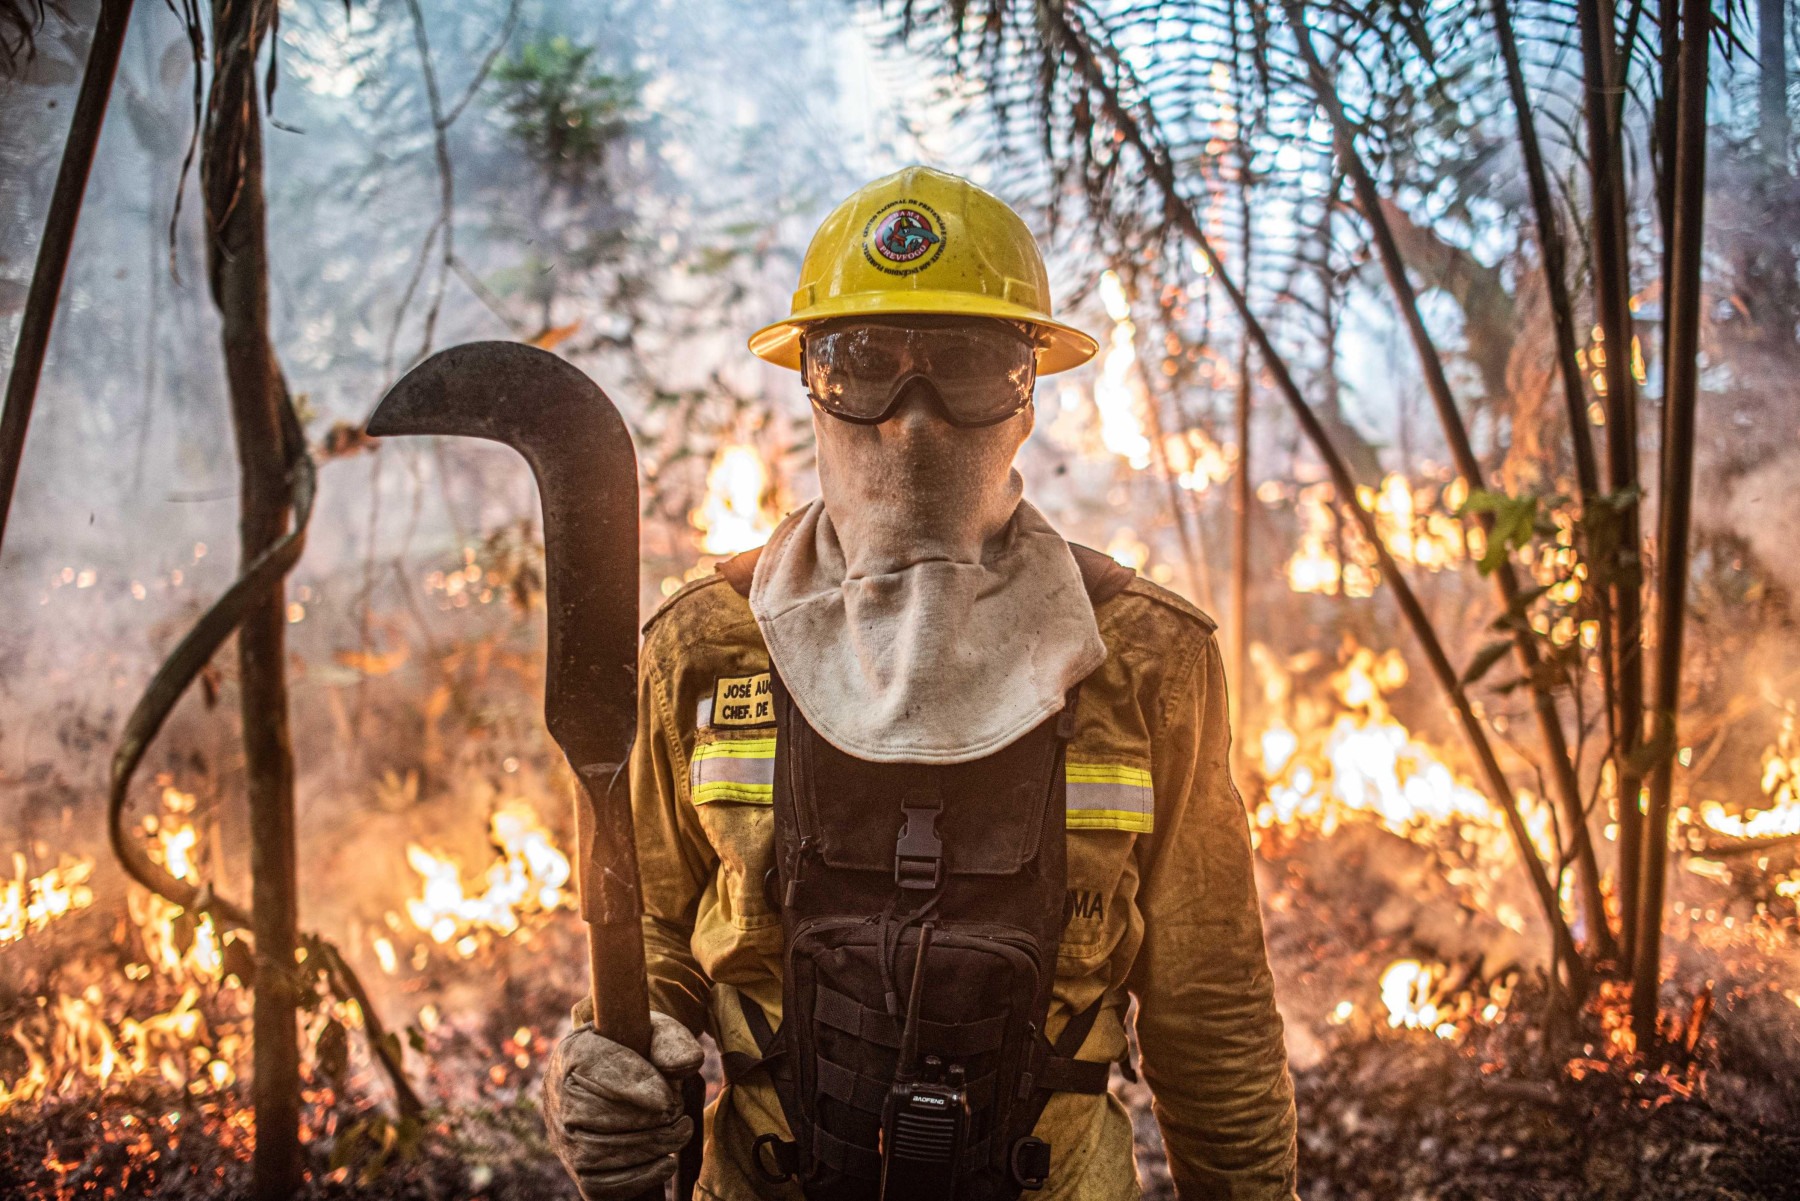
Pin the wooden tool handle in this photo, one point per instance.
(613, 907)
(620, 987)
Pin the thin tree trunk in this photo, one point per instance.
(59, 237)
(1182, 214)
(1562, 320)
(1562, 307)
(1612, 305)
(1240, 550)
(238, 271)
(1241, 492)
(1773, 292)
(1682, 338)
(1559, 764)
(1773, 125)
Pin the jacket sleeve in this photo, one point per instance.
(675, 860)
(1209, 1034)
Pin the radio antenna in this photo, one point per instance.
(909, 1034)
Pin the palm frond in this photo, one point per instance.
(20, 21)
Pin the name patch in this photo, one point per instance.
(743, 701)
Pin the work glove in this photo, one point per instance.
(615, 1120)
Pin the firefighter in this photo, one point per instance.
(925, 795)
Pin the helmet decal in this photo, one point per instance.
(902, 237)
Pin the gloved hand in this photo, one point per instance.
(614, 1119)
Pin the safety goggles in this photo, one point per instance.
(982, 374)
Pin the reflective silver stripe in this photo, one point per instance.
(1101, 796)
(733, 769)
(1110, 796)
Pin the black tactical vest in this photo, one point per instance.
(868, 855)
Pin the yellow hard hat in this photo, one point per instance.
(922, 241)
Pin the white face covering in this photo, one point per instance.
(920, 611)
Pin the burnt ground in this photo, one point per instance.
(1503, 1111)
(1412, 1122)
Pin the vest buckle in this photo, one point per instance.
(776, 1159)
(918, 851)
(1029, 1161)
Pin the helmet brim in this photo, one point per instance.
(1060, 346)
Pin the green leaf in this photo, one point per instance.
(348, 1144)
(1651, 754)
(181, 932)
(239, 961)
(333, 1049)
(1494, 556)
(1482, 501)
(1512, 522)
(409, 1133)
(1484, 661)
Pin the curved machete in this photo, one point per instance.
(580, 451)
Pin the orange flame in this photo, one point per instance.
(735, 515)
(28, 904)
(1780, 783)
(528, 877)
(1415, 523)
(81, 1041)
(1356, 759)
(1418, 996)
(1118, 394)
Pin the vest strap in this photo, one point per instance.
(776, 1159)
(1055, 1068)
(1077, 1028)
(770, 1057)
(1058, 1075)
(738, 1064)
(758, 1021)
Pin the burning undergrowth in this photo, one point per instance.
(128, 1034)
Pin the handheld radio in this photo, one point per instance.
(927, 1118)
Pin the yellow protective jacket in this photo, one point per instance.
(1161, 903)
